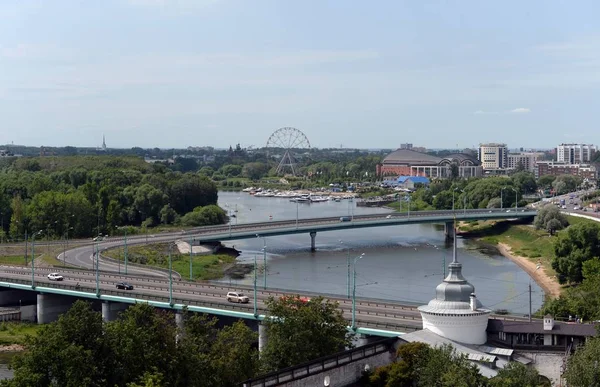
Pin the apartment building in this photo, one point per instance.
(575, 153)
(493, 156)
(527, 159)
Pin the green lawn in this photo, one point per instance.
(205, 267)
(16, 260)
(15, 332)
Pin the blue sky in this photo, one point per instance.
(368, 74)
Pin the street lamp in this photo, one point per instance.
(191, 258)
(66, 245)
(464, 201)
(454, 190)
(97, 270)
(170, 275)
(536, 269)
(264, 250)
(124, 228)
(297, 212)
(516, 197)
(501, 197)
(348, 266)
(33, 257)
(254, 299)
(354, 290)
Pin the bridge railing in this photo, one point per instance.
(323, 364)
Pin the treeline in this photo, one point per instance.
(144, 347)
(89, 195)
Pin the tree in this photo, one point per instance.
(444, 367)
(192, 191)
(69, 352)
(546, 181)
(301, 331)
(582, 367)
(516, 374)
(255, 170)
(580, 243)
(524, 182)
(550, 218)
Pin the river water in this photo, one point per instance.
(403, 263)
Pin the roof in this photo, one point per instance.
(419, 179)
(474, 354)
(410, 157)
(560, 328)
(462, 157)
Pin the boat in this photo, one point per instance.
(318, 199)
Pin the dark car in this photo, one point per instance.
(125, 286)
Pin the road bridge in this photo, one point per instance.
(82, 256)
(373, 317)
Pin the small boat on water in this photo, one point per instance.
(318, 199)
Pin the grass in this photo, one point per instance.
(15, 332)
(13, 260)
(205, 267)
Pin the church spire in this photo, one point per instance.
(103, 142)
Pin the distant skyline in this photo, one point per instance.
(178, 73)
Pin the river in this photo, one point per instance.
(403, 263)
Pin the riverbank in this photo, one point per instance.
(521, 243)
(537, 270)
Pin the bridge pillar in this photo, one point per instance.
(449, 230)
(262, 336)
(51, 306)
(313, 238)
(112, 310)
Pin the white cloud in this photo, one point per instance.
(521, 110)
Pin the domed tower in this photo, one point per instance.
(455, 313)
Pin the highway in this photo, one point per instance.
(83, 256)
(379, 314)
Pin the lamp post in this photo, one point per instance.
(125, 250)
(33, 258)
(408, 203)
(97, 271)
(536, 269)
(66, 245)
(264, 250)
(348, 267)
(501, 197)
(464, 201)
(454, 190)
(254, 298)
(516, 197)
(191, 258)
(354, 290)
(170, 276)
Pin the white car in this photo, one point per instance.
(237, 297)
(55, 277)
(389, 217)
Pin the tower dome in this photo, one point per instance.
(455, 312)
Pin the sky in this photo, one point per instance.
(363, 74)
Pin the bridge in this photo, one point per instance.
(81, 256)
(97, 282)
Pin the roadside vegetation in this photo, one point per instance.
(144, 347)
(205, 267)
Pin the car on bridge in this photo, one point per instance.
(124, 286)
(238, 297)
(55, 277)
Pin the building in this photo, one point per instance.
(527, 160)
(455, 313)
(408, 162)
(407, 182)
(493, 156)
(575, 153)
(406, 146)
(554, 168)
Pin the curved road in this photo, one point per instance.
(83, 256)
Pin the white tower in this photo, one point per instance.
(455, 313)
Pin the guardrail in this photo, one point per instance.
(140, 266)
(321, 365)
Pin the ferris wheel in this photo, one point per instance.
(287, 140)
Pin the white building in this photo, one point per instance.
(455, 313)
(527, 159)
(575, 153)
(493, 156)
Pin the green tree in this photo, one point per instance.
(545, 182)
(192, 191)
(550, 218)
(67, 353)
(301, 331)
(17, 220)
(255, 170)
(524, 182)
(582, 367)
(580, 243)
(234, 342)
(516, 374)
(446, 368)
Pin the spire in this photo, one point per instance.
(103, 142)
